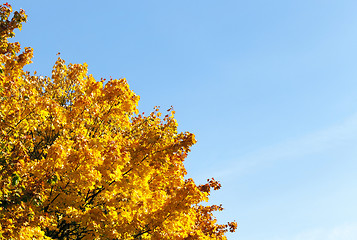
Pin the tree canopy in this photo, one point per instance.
(78, 161)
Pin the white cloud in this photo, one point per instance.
(342, 232)
(330, 138)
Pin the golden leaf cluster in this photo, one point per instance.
(78, 161)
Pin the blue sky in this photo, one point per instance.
(268, 87)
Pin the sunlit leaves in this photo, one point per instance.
(77, 161)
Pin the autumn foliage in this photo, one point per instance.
(78, 161)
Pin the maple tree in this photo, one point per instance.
(78, 161)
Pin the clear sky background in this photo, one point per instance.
(268, 87)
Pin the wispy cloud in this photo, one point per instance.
(330, 138)
(343, 232)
